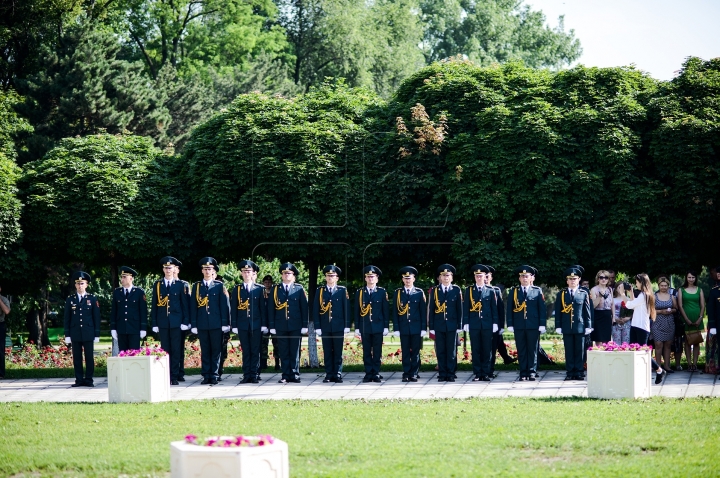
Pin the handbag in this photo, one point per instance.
(693, 337)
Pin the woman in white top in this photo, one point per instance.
(643, 307)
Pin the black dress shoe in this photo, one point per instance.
(532, 379)
(569, 378)
(442, 379)
(181, 379)
(246, 380)
(219, 379)
(377, 379)
(413, 379)
(326, 380)
(522, 379)
(485, 379)
(255, 380)
(77, 384)
(339, 380)
(451, 379)
(205, 381)
(405, 379)
(294, 380)
(476, 378)
(367, 379)
(282, 380)
(213, 381)
(174, 382)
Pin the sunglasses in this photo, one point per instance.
(603, 278)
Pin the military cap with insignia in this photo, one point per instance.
(332, 268)
(209, 261)
(80, 276)
(480, 269)
(127, 271)
(170, 261)
(490, 269)
(289, 266)
(580, 268)
(369, 270)
(445, 268)
(572, 272)
(525, 269)
(408, 271)
(248, 265)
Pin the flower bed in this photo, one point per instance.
(31, 357)
(154, 351)
(229, 456)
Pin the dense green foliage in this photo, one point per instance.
(514, 436)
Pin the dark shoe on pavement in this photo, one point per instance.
(532, 379)
(174, 382)
(219, 379)
(405, 379)
(294, 380)
(76, 384)
(255, 380)
(413, 379)
(658, 378)
(181, 379)
(476, 378)
(377, 379)
(338, 379)
(326, 380)
(451, 379)
(485, 378)
(205, 381)
(213, 381)
(283, 381)
(367, 379)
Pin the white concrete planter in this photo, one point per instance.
(194, 461)
(138, 379)
(618, 374)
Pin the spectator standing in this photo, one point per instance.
(621, 315)
(691, 305)
(4, 311)
(602, 301)
(663, 327)
(643, 307)
(713, 310)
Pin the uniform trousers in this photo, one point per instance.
(183, 338)
(446, 347)
(289, 349)
(265, 350)
(77, 353)
(482, 350)
(372, 352)
(210, 342)
(410, 345)
(574, 348)
(128, 341)
(250, 342)
(527, 347)
(3, 333)
(170, 342)
(223, 352)
(333, 351)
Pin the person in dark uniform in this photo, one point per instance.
(587, 339)
(410, 322)
(209, 318)
(169, 311)
(82, 328)
(713, 307)
(446, 317)
(267, 338)
(331, 318)
(498, 342)
(372, 322)
(288, 319)
(128, 314)
(248, 319)
(526, 318)
(225, 339)
(572, 320)
(480, 320)
(185, 328)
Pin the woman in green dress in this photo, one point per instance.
(691, 301)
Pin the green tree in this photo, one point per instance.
(105, 199)
(495, 31)
(685, 149)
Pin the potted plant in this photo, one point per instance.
(619, 371)
(140, 375)
(229, 456)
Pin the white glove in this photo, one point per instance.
(346, 331)
(318, 332)
(304, 331)
(67, 340)
(184, 327)
(235, 330)
(156, 329)
(264, 330)
(558, 330)
(225, 328)
(385, 332)
(713, 331)
(143, 334)
(113, 334)
(396, 333)
(501, 331)
(542, 329)
(588, 331)
(432, 332)
(423, 333)
(194, 330)
(273, 331)
(357, 333)
(466, 327)
(511, 329)
(97, 340)
(495, 328)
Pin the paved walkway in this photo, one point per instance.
(550, 384)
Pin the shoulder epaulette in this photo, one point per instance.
(717, 286)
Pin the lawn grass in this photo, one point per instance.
(473, 437)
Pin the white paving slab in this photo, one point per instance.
(549, 384)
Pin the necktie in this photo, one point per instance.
(287, 289)
(126, 293)
(407, 291)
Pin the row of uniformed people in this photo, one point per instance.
(207, 309)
